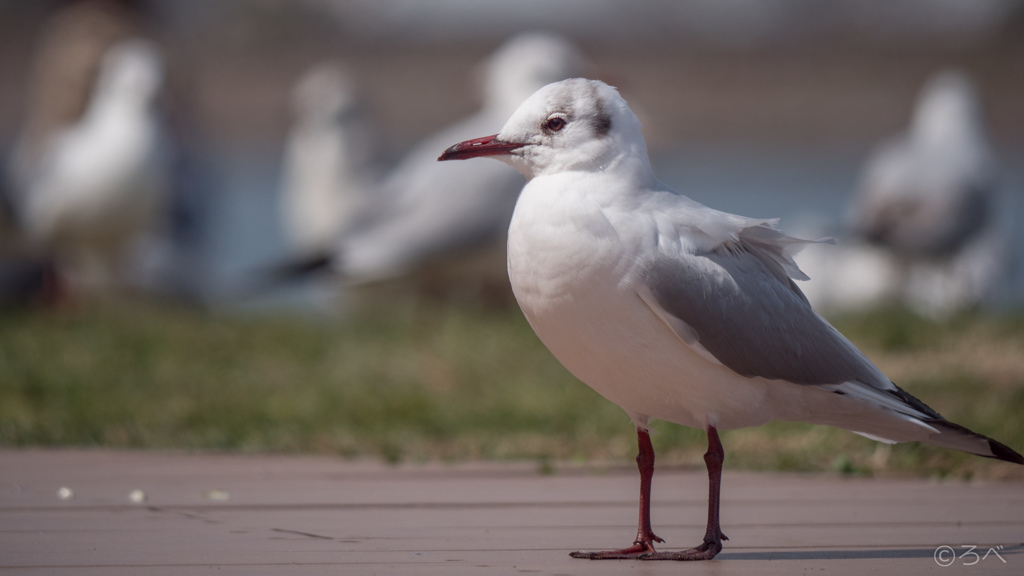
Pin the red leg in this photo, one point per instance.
(643, 547)
(713, 537)
(645, 537)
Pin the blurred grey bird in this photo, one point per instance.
(440, 228)
(929, 198)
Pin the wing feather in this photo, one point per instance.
(749, 319)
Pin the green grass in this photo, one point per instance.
(444, 384)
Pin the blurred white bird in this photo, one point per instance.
(65, 63)
(671, 309)
(328, 159)
(102, 182)
(929, 199)
(442, 228)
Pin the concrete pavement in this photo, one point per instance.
(151, 513)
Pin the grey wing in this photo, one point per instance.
(752, 319)
(740, 311)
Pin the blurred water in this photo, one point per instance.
(797, 185)
(242, 222)
(806, 188)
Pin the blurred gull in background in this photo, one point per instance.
(66, 62)
(440, 228)
(64, 66)
(93, 187)
(327, 159)
(929, 227)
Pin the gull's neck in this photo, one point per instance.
(625, 160)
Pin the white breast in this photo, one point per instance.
(574, 268)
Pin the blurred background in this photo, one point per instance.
(768, 108)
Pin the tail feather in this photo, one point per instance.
(895, 416)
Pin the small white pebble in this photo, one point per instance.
(218, 495)
(137, 496)
(65, 493)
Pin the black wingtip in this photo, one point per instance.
(915, 403)
(999, 451)
(286, 273)
(1003, 452)
(305, 266)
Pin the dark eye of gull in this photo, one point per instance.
(555, 124)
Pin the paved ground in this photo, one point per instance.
(230, 514)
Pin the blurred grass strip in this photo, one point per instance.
(446, 383)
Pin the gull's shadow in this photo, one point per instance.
(885, 553)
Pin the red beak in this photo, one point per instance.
(486, 146)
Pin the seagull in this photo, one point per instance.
(673, 310)
(446, 224)
(929, 199)
(327, 160)
(103, 181)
